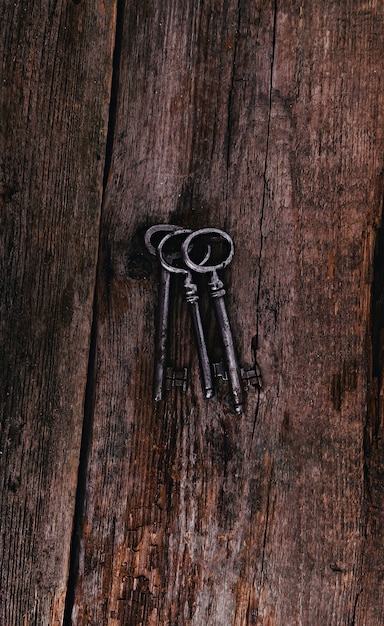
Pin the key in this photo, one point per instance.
(217, 293)
(192, 298)
(151, 235)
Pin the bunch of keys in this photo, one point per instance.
(179, 252)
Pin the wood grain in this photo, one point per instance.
(55, 90)
(265, 119)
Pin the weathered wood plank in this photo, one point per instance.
(263, 118)
(329, 95)
(55, 89)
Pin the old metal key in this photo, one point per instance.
(192, 298)
(217, 293)
(162, 327)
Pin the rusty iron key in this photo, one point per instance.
(152, 234)
(217, 293)
(192, 297)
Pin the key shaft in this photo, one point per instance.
(191, 295)
(161, 337)
(217, 293)
(205, 366)
(161, 334)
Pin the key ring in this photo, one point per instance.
(201, 268)
(161, 252)
(177, 231)
(153, 230)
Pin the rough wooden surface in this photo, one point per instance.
(264, 118)
(55, 90)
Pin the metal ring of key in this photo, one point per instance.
(192, 298)
(217, 293)
(163, 296)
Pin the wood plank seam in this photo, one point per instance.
(91, 377)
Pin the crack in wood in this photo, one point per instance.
(231, 89)
(255, 609)
(91, 375)
(374, 409)
(353, 620)
(258, 289)
(114, 89)
(372, 437)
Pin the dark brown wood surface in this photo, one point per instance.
(56, 72)
(265, 119)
